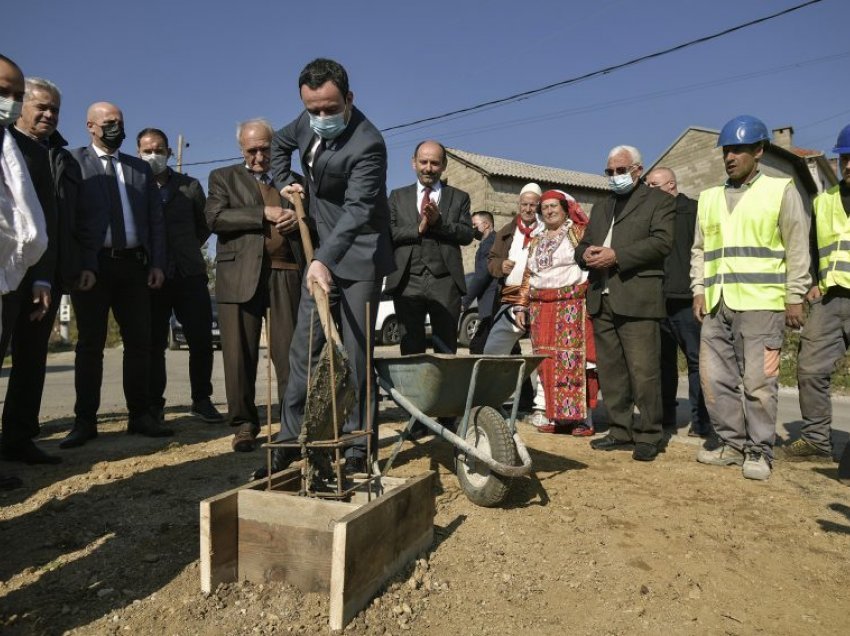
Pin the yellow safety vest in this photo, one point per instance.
(833, 230)
(743, 251)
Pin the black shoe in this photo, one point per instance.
(355, 465)
(609, 443)
(79, 435)
(206, 411)
(10, 482)
(281, 459)
(158, 413)
(28, 453)
(146, 425)
(645, 452)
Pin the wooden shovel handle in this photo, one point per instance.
(319, 294)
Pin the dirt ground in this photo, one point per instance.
(594, 543)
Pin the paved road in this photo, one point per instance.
(59, 392)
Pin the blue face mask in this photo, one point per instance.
(329, 127)
(621, 183)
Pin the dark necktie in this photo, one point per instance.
(319, 150)
(426, 199)
(264, 179)
(116, 212)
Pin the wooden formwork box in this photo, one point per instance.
(345, 549)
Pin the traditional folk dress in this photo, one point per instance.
(554, 289)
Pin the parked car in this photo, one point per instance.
(387, 327)
(177, 339)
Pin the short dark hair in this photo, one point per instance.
(10, 62)
(431, 141)
(487, 215)
(144, 132)
(323, 70)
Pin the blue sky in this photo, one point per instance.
(197, 68)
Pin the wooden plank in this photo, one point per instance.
(287, 538)
(275, 507)
(373, 543)
(219, 531)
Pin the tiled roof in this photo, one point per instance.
(805, 152)
(509, 168)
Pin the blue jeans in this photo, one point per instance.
(681, 330)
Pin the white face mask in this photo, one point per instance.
(621, 183)
(10, 110)
(157, 162)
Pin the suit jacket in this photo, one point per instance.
(642, 236)
(186, 230)
(482, 286)
(67, 184)
(38, 163)
(453, 230)
(234, 213)
(93, 215)
(346, 192)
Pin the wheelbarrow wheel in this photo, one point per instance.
(487, 432)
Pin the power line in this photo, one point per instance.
(603, 71)
(573, 80)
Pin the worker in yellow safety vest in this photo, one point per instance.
(749, 273)
(824, 339)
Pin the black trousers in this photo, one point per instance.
(627, 354)
(29, 340)
(122, 287)
(240, 324)
(189, 298)
(435, 296)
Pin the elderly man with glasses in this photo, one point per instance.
(624, 247)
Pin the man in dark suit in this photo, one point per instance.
(122, 240)
(680, 329)
(429, 222)
(624, 247)
(259, 261)
(185, 290)
(345, 162)
(482, 286)
(29, 311)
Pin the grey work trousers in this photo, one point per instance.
(739, 369)
(823, 343)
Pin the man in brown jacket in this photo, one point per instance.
(506, 262)
(259, 261)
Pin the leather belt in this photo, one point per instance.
(135, 253)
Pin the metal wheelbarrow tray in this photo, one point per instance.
(473, 388)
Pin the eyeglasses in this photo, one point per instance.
(609, 172)
(263, 149)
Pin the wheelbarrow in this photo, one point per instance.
(473, 388)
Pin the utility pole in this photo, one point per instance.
(180, 143)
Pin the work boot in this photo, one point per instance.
(723, 455)
(756, 466)
(802, 450)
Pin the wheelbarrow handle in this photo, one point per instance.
(319, 294)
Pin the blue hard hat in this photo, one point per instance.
(743, 129)
(842, 146)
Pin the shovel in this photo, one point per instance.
(330, 384)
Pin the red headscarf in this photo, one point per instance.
(574, 211)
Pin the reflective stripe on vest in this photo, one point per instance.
(743, 250)
(833, 232)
